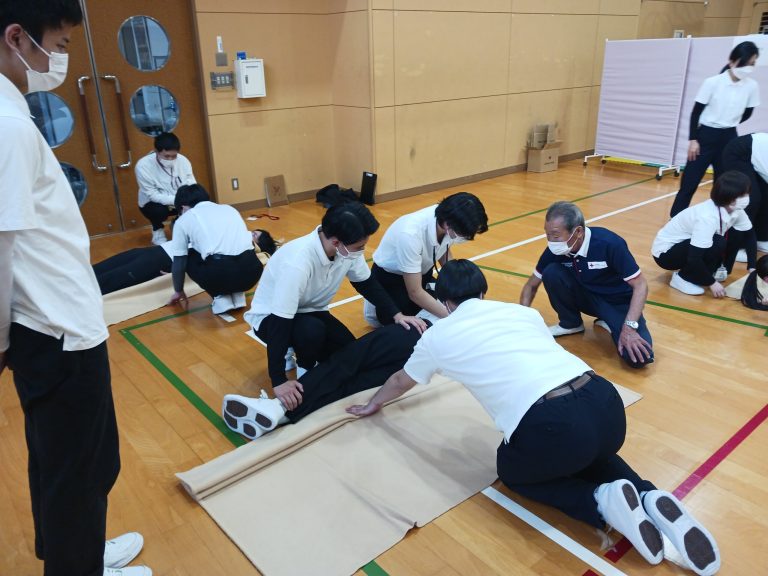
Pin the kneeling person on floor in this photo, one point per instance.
(562, 424)
(212, 244)
(591, 271)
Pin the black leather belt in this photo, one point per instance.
(222, 257)
(566, 388)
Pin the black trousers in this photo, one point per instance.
(219, 275)
(701, 271)
(315, 336)
(360, 365)
(131, 267)
(569, 299)
(564, 448)
(738, 156)
(712, 142)
(394, 285)
(74, 458)
(157, 214)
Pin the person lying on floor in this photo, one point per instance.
(563, 424)
(140, 265)
(360, 365)
(212, 244)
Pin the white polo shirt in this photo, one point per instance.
(301, 278)
(502, 353)
(159, 184)
(760, 154)
(726, 100)
(54, 288)
(698, 224)
(211, 228)
(410, 246)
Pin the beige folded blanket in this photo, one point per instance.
(142, 298)
(330, 493)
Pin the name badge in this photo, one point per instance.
(597, 265)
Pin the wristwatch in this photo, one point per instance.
(632, 324)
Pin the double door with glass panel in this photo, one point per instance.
(132, 75)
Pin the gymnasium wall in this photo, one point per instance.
(420, 91)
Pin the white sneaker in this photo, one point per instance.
(603, 324)
(721, 274)
(619, 504)
(762, 246)
(222, 303)
(119, 551)
(238, 300)
(557, 330)
(252, 417)
(369, 313)
(741, 255)
(128, 571)
(158, 237)
(694, 542)
(290, 360)
(684, 286)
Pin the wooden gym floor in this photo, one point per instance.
(699, 427)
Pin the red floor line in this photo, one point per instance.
(623, 546)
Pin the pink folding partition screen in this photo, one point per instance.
(648, 90)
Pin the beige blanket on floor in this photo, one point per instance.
(735, 289)
(142, 298)
(324, 498)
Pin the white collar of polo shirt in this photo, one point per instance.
(585, 245)
(9, 90)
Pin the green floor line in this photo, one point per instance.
(211, 415)
(658, 304)
(373, 569)
(574, 200)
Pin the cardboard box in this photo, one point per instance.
(543, 148)
(544, 159)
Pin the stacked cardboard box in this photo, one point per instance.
(543, 148)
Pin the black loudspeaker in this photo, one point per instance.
(368, 188)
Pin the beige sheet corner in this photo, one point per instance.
(142, 298)
(323, 498)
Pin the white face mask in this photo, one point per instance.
(168, 164)
(44, 81)
(560, 248)
(743, 71)
(455, 238)
(740, 203)
(349, 255)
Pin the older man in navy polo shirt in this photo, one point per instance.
(591, 271)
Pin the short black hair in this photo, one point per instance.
(190, 195)
(750, 294)
(38, 16)
(265, 242)
(167, 141)
(729, 186)
(463, 213)
(349, 222)
(460, 280)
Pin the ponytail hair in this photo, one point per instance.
(741, 54)
(750, 295)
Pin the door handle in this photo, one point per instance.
(121, 113)
(88, 128)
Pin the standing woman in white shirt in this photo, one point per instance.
(749, 154)
(159, 175)
(722, 103)
(694, 243)
(412, 246)
(212, 244)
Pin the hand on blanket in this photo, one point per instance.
(179, 298)
(367, 410)
(289, 393)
